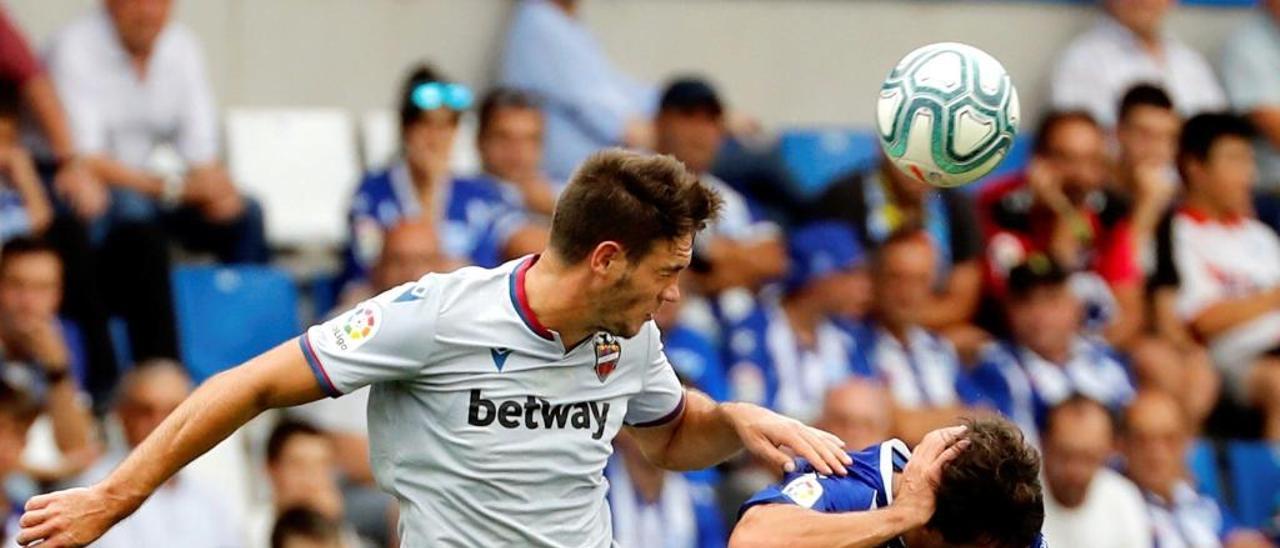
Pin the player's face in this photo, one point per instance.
(1077, 154)
(30, 289)
(511, 146)
(1230, 172)
(692, 137)
(1149, 136)
(904, 281)
(1046, 320)
(638, 294)
(139, 22)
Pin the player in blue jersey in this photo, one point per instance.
(988, 495)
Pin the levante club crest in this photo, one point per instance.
(608, 351)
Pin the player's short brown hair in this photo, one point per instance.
(991, 493)
(630, 198)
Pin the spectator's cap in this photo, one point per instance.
(819, 250)
(1036, 272)
(691, 94)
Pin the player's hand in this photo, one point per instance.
(71, 518)
(764, 432)
(916, 494)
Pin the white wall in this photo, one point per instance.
(787, 61)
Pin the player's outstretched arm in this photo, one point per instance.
(76, 517)
(912, 507)
(709, 433)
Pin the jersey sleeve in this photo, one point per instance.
(808, 489)
(387, 338)
(661, 400)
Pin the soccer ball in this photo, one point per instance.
(947, 114)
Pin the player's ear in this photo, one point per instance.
(607, 257)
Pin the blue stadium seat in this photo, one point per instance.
(227, 315)
(1255, 477)
(1202, 461)
(815, 156)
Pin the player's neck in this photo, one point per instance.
(552, 291)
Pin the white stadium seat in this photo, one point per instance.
(301, 165)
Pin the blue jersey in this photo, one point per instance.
(1024, 386)
(768, 366)
(686, 514)
(868, 486)
(923, 373)
(696, 360)
(474, 218)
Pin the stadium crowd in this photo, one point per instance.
(1118, 298)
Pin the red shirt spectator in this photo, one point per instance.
(17, 64)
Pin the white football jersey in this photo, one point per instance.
(486, 428)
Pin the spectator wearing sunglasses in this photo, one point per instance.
(475, 222)
(590, 103)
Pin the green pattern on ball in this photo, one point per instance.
(942, 105)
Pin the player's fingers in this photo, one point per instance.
(831, 454)
(951, 453)
(33, 518)
(39, 501)
(766, 451)
(44, 531)
(937, 441)
(804, 447)
(834, 443)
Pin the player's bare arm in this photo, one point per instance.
(789, 525)
(76, 517)
(708, 433)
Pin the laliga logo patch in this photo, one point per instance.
(359, 326)
(608, 352)
(804, 490)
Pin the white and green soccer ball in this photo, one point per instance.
(947, 114)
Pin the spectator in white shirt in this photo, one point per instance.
(183, 508)
(1129, 46)
(1224, 264)
(1086, 503)
(1155, 441)
(1251, 74)
(142, 112)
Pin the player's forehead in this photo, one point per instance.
(675, 253)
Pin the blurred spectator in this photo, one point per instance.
(182, 508)
(879, 202)
(24, 208)
(1049, 360)
(655, 508)
(476, 224)
(303, 472)
(787, 351)
(1060, 207)
(1129, 45)
(305, 528)
(590, 103)
(142, 112)
(1155, 441)
(859, 412)
(41, 353)
(1165, 356)
(740, 249)
(695, 357)
(920, 369)
(510, 143)
(410, 249)
(1088, 504)
(1225, 264)
(1251, 74)
(22, 73)
(17, 411)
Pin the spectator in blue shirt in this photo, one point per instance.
(929, 389)
(475, 222)
(510, 142)
(1155, 441)
(590, 103)
(695, 357)
(656, 508)
(787, 351)
(1049, 360)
